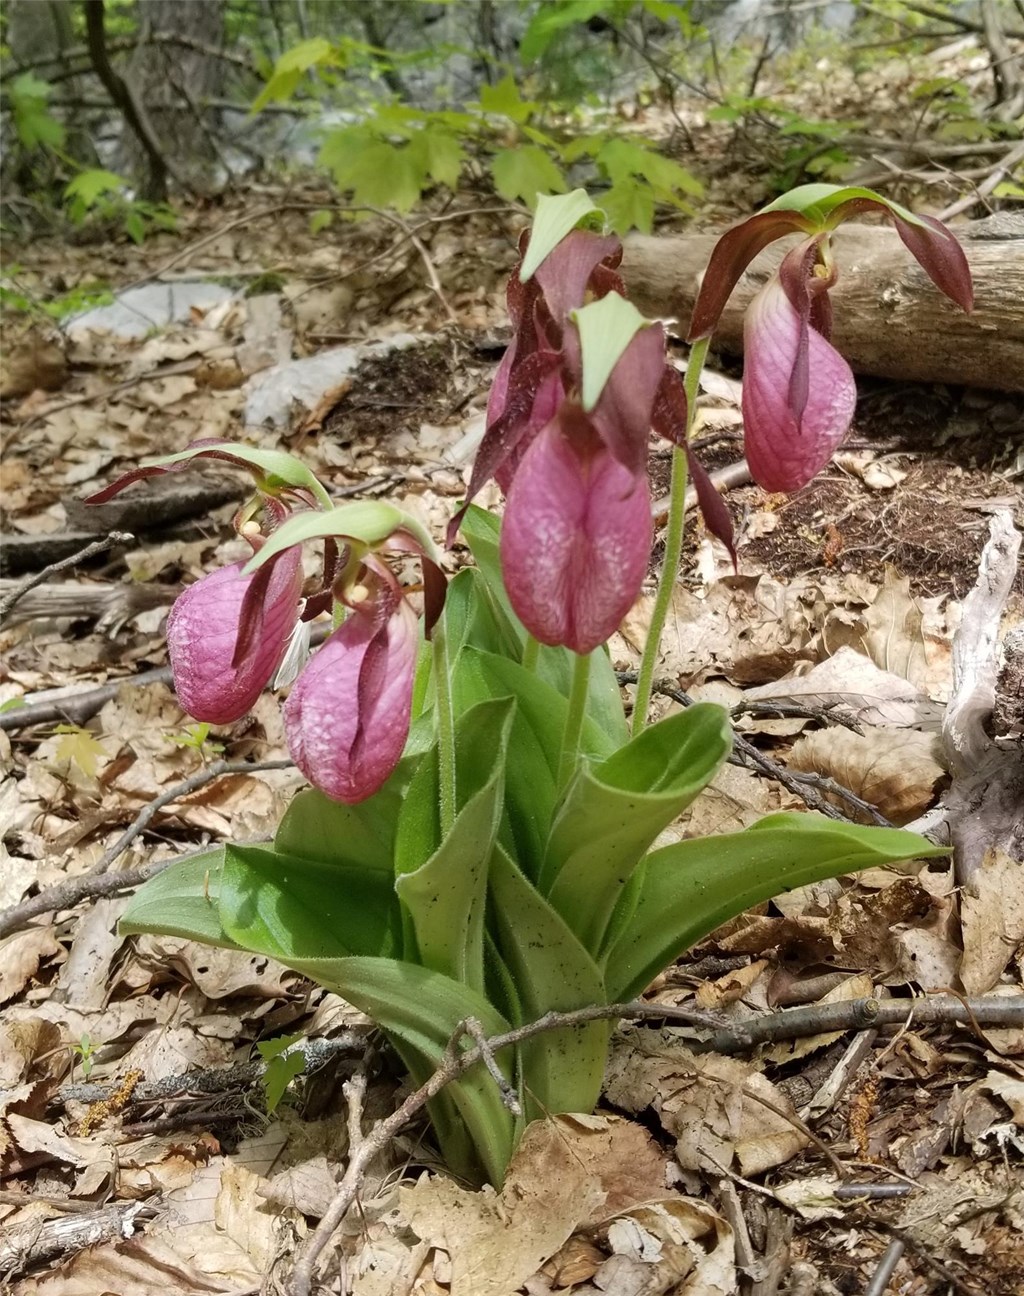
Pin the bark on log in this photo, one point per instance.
(889, 319)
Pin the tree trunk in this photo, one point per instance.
(889, 319)
(174, 80)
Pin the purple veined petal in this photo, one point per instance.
(786, 445)
(933, 246)
(347, 718)
(566, 271)
(623, 413)
(576, 536)
(203, 629)
(730, 257)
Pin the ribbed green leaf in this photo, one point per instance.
(693, 887)
(614, 811)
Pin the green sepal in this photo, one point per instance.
(555, 217)
(612, 813)
(692, 887)
(606, 328)
(366, 522)
(818, 202)
(277, 467)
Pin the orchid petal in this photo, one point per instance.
(790, 430)
(576, 537)
(730, 257)
(347, 718)
(565, 272)
(935, 248)
(203, 630)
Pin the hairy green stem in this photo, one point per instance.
(574, 718)
(531, 651)
(673, 546)
(445, 726)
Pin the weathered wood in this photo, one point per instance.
(889, 319)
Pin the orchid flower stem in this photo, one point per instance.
(673, 545)
(531, 651)
(445, 727)
(574, 718)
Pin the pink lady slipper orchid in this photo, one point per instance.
(347, 717)
(219, 672)
(576, 536)
(228, 633)
(799, 393)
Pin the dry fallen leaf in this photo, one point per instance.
(992, 918)
(710, 1104)
(852, 681)
(895, 770)
(20, 956)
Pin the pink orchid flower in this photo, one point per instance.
(347, 717)
(576, 536)
(799, 393)
(792, 425)
(218, 678)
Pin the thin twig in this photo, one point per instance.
(886, 1267)
(833, 713)
(14, 596)
(208, 774)
(99, 882)
(475, 1031)
(864, 1014)
(76, 708)
(994, 176)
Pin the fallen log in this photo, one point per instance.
(889, 318)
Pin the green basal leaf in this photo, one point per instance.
(606, 328)
(693, 887)
(183, 900)
(556, 216)
(294, 908)
(614, 811)
(277, 466)
(446, 897)
(534, 743)
(420, 1010)
(367, 522)
(473, 616)
(317, 828)
(482, 531)
(561, 1070)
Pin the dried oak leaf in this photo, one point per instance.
(895, 770)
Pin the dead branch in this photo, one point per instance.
(35, 1242)
(890, 320)
(12, 598)
(78, 706)
(983, 804)
(864, 1014)
(98, 882)
(121, 93)
(1004, 168)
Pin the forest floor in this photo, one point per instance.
(136, 1148)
